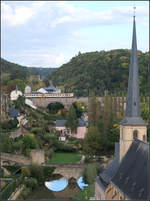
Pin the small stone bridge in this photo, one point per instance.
(68, 170)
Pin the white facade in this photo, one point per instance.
(27, 90)
(30, 103)
(42, 90)
(15, 94)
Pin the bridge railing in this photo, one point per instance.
(52, 95)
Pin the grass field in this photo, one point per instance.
(65, 158)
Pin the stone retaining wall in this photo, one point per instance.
(16, 193)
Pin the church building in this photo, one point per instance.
(127, 177)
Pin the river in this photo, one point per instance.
(57, 189)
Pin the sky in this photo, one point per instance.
(50, 33)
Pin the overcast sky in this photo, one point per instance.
(50, 33)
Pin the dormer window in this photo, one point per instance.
(135, 134)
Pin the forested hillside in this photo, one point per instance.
(14, 74)
(97, 71)
(16, 71)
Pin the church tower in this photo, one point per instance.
(132, 126)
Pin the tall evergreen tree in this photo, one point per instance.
(92, 141)
(72, 120)
(94, 108)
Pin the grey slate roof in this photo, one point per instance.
(133, 121)
(133, 98)
(81, 123)
(51, 88)
(13, 112)
(60, 123)
(109, 172)
(132, 176)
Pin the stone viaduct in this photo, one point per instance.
(43, 102)
(67, 101)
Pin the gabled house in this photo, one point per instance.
(81, 129)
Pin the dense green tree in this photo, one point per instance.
(94, 110)
(92, 142)
(6, 143)
(79, 108)
(98, 71)
(89, 174)
(25, 171)
(72, 120)
(30, 142)
(37, 172)
(31, 182)
(20, 103)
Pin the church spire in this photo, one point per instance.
(132, 114)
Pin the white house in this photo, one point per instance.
(15, 94)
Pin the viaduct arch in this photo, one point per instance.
(66, 101)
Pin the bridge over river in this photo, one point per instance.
(68, 170)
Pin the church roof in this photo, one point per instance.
(133, 114)
(111, 170)
(132, 177)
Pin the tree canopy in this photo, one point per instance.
(100, 71)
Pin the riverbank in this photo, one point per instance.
(42, 193)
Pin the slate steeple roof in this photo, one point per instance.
(133, 114)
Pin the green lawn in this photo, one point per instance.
(65, 158)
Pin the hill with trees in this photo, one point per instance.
(14, 74)
(100, 71)
(16, 71)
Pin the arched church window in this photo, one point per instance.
(135, 134)
(144, 137)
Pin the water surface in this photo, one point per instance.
(57, 185)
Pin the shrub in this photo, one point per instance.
(9, 124)
(65, 148)
(90, 174)
(48, 171)
(25, 192)
(31, 183)
(25, 171)
(49, 152)
(37, 172)
(12, 168)
(1, 172)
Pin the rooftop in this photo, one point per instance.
(132, 176)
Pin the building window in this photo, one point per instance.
(135, 134)
(144, 137)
